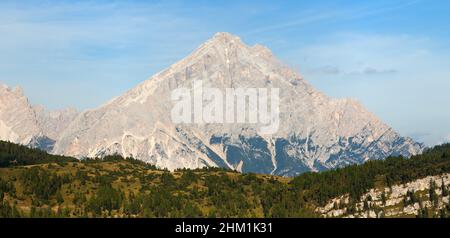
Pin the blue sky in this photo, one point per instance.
(393, 56)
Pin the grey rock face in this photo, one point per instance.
(316, 132)
(22, 123)
(18, 121)
(42, 142)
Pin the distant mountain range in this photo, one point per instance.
(316, 132)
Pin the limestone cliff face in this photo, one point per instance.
(316, 132)
(397, 200)
(22, 123)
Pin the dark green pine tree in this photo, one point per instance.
(434, 199)
(444, 188)
(59, 197)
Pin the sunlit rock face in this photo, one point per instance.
(22, 123)
(315, 132)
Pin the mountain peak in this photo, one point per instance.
(227, 37)
(224, 39)
(315, 133)
(14, 92)
(18, 91)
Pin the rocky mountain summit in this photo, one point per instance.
(23, 123)
(315, 132)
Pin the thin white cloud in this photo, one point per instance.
(374, 10)
(403, 79)
(372, 71)
(301, 20)
(327, 69)
(121, 27)
(334, 70)
(331, 14)
(70, 50)
(361, 54)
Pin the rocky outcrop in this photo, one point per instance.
(23, 123)
(402, 200)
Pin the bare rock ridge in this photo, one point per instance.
(316, 132)
(22, 123)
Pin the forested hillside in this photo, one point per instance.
(35, 184)
(15, 155)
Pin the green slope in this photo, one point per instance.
(35, 184)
